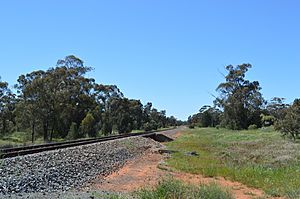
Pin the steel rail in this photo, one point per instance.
(25, 150)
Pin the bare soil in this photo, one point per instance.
(134, 175)
(148, 170)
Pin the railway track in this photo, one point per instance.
(25, 150)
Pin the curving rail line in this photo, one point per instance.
(19, 151)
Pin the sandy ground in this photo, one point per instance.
(147, 171)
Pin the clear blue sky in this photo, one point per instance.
(165, 51)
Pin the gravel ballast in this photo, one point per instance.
(65, 169)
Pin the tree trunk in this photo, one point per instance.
(45, 128)
(4, 126)
(52, 128)
(51, 134)
(32, 133)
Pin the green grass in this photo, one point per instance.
(159, 129)
(258, 158)
(173, 189)
(21, 139)
(137, 131)
(169, 188)
(14, 139)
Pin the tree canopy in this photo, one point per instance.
(240, 105)
(62, 102)
(289, 125)
(239, 98)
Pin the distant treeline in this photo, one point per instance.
(240, 105)
(62, 103)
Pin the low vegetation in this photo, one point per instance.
(174, 189)
(259, 158)
(15, 139)
(170, 188)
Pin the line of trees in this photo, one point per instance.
(240, 105)
(62, 102)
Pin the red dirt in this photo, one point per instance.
(134, 175)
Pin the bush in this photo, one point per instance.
(192, 126)
(218, 126)
(267, 120)
(149, 126)
(87, 126)
(252, 127)
(107, 128)
(73, 132)
(290, 124)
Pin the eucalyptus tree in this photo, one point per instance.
(121, 115)
(104, 96)
(136, 112)
(277, 107)
(172, 121)
(146, 112)
(58, 96)
(7, 103)
(63, 102)
(239, 98)
(27, 117)
(154, 119)
(207, 116)
(35, 100)
(290, 124)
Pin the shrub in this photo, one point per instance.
(192, 126)
(149, 126)
(73, 132)
(87, 125)
(252, 127)
(267, 120)
(290, 125)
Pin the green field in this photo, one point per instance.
(258, 158)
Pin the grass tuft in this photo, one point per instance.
(174, 189)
